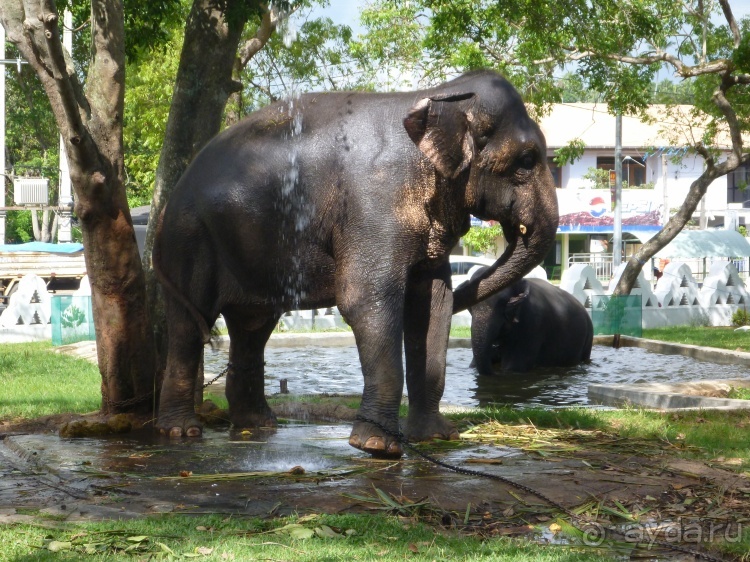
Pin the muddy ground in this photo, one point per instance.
(310, 468)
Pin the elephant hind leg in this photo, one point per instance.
(245, 388)
(177, 416)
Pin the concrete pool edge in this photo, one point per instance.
(673, 396)
(323, 339)
(641, 395)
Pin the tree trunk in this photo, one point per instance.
(203, 86)
(90, 123)
(667, 234)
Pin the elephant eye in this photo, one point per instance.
(526, 161)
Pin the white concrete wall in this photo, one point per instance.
(677, 299)
(678, 180)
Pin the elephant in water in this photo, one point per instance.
(528, 324)
(350, 199)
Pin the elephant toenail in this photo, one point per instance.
(395, 449)
(193, 432)
(374, 444)
(175, 433)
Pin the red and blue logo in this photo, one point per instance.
(598, 207)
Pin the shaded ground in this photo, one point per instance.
(617, 481)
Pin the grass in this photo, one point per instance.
(718, 436)
(339, 537)
(461, 332)
(723, 337)
(739, 393)
(37, 382)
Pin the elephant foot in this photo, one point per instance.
(263, 417)
(176, 428)
(373, 440)
(426, 427)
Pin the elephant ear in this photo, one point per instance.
(513, 307)
(440, 129)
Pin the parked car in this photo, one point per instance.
(460, 266)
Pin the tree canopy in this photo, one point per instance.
(550, 50)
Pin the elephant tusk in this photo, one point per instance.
(522, 228)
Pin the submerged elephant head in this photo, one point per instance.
(493, 320)
(477, 128)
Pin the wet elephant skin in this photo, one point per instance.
(353, 199)
(530, 324)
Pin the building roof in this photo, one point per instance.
(595, 126)
(706, 244)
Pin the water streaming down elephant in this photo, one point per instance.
(349, 199)
(530, 323)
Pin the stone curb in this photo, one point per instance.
(679, 395)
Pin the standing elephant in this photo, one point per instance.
(530, 323)
(349, 199)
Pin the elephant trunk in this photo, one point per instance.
(482, 341)
(529, 242)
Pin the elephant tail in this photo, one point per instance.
(172, 288)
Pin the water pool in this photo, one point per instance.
(317, 370)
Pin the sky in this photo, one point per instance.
(347, 11)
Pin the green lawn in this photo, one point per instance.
(36, 381)
(720, 336)
(314, 538)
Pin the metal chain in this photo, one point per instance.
(401, 438)
(129, 401)
(136, 400)
(217, 377)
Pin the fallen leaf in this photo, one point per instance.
(509, 512)
(296, 470)
(555, 528)
(542, 518)
(325, 532)
(186, 473)
(59, 546)
(165, 548)
(204, 550)
(414, 548)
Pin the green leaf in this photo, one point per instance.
(301, 533)
(325, 532)
(165, 548)
(59, 546)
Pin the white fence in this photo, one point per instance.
(677, 300)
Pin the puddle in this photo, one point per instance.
(336, 370)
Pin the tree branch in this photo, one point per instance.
(731, 21)
(735, 130)
(268, 24)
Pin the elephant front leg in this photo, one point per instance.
(427, 321)
(245, 388)
(377, 327)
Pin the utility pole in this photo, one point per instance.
(617, 238)
(65, 201)
(3, 178)
(665, 214)
(2, 135)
